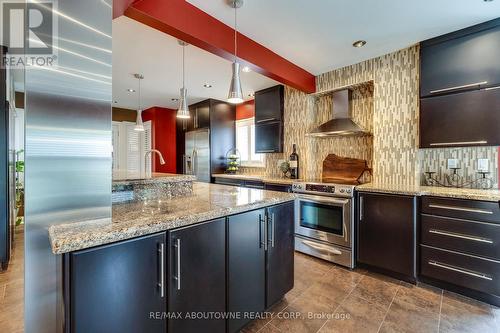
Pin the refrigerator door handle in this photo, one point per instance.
(194, 162)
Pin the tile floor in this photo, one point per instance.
(12, 289)
(327, 298)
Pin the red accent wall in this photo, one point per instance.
(245, 110)
(163, 127)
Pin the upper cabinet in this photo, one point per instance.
(464, 60)
(269, 106)
(460, 88)
(200, 115)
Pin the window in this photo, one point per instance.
(245, 143)
(129, 147)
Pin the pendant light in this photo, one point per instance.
(139, 126)
(183, 111)
(235, 95)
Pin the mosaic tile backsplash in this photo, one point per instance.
(389, 108)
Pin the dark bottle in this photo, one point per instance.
(294, 163)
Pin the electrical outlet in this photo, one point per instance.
(452, 163)
(483, 164)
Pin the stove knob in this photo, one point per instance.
(348, 190)
(341, 190)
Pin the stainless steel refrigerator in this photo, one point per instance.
(197, 155)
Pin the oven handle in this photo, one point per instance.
(326, 201)
(346, 237)
(321, 248)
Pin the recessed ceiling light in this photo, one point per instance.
(115, 102)
(246, 69)
(131, 90)
(359, 43)
(487, 0)
(174, 99)
(207, 85)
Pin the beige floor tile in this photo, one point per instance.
(409, 317)
(423, 296)
(376, 291)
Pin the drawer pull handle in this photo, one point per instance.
(459, 143)
(461, 270)
(458, 87)
(462, 236)
(492, 88)
(462, 209)
(264, 120)
(321, 248)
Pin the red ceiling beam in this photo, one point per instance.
(182, 20)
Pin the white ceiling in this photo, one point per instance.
(318, 35)
(138, 48)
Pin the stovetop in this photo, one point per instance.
(321, 188)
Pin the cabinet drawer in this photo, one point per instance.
(479, 238)
(228, 181)
(459, 269)
(462, 209)
(278, 187)
(254, 184)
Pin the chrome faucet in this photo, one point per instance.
(148, 153)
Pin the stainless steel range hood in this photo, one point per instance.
(341, 124)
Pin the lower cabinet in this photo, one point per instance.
(241, 264)
(117, 287)
(386, 233)
(260, 260)
(278, 187)
(197, 276)
(246, 266)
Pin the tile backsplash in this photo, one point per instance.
(389, 108)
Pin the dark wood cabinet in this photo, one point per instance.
(465, 59)
(269, 106)
(460, 88)
(117, 287)
(201, 115)
(197, 276)
(386, 233)
(278, 187)
(459, 246)
(280, 251)
(269, 137)
(246, 290)
(463, 119)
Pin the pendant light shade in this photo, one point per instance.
(139, 126)
(235, 94)
(183, 111)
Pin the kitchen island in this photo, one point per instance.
(218, 252)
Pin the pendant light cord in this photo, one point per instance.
(235, 33)
(139, 93)
(183, 68)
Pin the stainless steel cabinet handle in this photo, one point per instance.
(458, 87)
(460, 270)
(264, 120)
(261, 228)
(161, 251)
(321, 248)
(459, 143)
(360, 208)
(266, 231)
(273, 231)
(462, 236)
(493, 88)
(177, 278)
(462, 209)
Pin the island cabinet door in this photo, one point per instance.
(117, 287)
(197, 278)
(246, 267)
(280, 252)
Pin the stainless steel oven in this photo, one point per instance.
(324, 221)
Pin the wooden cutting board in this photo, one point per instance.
(343, 170)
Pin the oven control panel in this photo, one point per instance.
(324, 189)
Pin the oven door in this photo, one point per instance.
(324, 218)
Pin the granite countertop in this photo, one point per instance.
(264, 179)
(208, 201)
(435, 191)
(156, 177)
